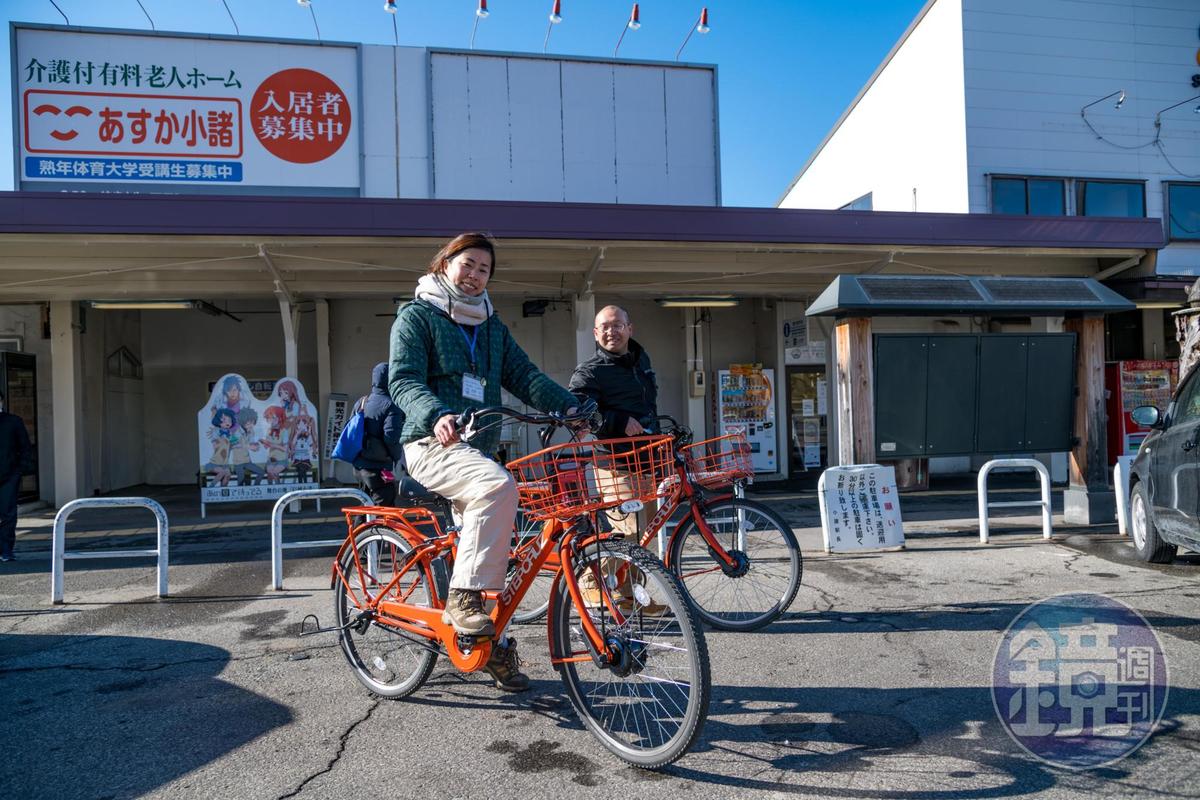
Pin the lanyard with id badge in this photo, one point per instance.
(472, 384)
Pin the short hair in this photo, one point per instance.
(223, 412)
(615, 306)
(247, 415)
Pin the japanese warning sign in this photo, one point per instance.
(122, 108)
(860, 508)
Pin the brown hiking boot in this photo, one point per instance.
(505, 667)
(464, 610)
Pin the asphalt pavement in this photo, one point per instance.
(876, 684)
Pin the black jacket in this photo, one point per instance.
(623, 386)
(384, 421)
(16, 454)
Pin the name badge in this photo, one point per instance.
(472, 387)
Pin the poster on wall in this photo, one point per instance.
(253, 449)
(97, 108)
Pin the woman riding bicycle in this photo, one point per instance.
(450, 352)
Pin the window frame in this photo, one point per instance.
(1167, 210)
(1025, 179)
(1081, 189)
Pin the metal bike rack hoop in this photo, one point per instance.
(1044, 503)
(59, 542)
(277, 544)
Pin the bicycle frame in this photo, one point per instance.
(556, 540)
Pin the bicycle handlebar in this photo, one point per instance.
(466, 420)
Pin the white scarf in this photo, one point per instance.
(459, 306)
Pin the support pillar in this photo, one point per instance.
(1088, 499)
(324, 374)
(585, 320)
(290, 317)
(695, 409)
(66, 400)
(855, 381)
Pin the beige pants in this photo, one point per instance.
(626, 486)
(484, 498)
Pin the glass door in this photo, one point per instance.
(808, 402)
(20, 391)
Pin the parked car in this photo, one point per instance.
(1164, 506)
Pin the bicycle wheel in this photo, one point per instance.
(767, 578)
(388, 662)
(649, 707)
(537, 599)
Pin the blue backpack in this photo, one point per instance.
(350, 441)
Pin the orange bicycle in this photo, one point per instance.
(737, 559)
(639, 681)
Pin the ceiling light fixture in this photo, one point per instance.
(699, 301)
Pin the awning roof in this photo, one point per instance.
(914, 295)
(79, 246)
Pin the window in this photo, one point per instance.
(1040, 197)
(1112, 198)
(1183, 211)
(1186, 407)
(863, 203)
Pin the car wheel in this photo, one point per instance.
(1149, 545)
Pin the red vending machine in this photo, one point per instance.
(1130, 384)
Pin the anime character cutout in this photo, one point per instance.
(302, 447)
(224, 429)
(277, 450)
(242, 442)
(289, 401)
(235, 395)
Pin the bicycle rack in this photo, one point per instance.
(1121, 486)
(59, 542)
(1044, 503)
(277, 543)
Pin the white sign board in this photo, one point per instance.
(860, 508)
(253, 449)
(96, 108)
(335, 421)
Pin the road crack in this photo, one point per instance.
(345, 737)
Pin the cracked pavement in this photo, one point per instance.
(875, 685)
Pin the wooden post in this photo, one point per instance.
(1088, 500)
(855, 391)
(1089, 456)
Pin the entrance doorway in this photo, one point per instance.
(808, 406)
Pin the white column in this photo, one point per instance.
(66, 400)
(324, 371)
(289, 315)
(695, 409)
(585, 320)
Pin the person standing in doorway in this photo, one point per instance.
(16, 456)
(381, 448)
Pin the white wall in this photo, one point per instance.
(1031, 65)
(527, 128)
(183, 351)
(904, 133)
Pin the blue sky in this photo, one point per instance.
(787, 68)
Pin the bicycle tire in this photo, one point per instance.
(774, 567)
(387, 662)
(536, 601)
(669, 659)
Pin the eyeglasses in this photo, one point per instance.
(618, 327)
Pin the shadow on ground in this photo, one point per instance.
(117, 716)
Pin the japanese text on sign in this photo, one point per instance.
(860, 508)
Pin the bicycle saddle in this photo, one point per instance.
(410, 492)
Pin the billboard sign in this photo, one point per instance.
(100, 108)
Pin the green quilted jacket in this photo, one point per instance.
(429, 354)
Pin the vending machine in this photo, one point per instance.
(745, 401)
(1130, 384)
